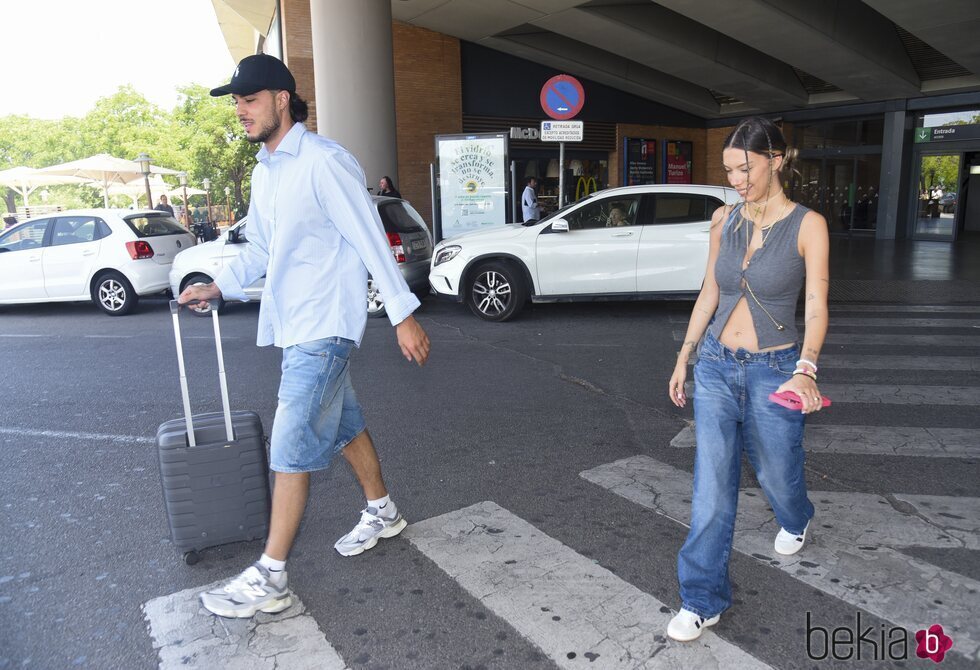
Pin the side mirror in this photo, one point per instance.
(559, 226)
(232, 236)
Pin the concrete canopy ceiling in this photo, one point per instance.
(717, 58)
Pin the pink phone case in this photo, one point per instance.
(790, 400)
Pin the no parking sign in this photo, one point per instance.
(562, 97)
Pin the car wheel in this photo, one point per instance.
(496, 292)
(375, 303)
(203, 279)
(113, 293)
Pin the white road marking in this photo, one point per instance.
(852, 549)
(879, 440)
(74, 435)
(849, 307)
(897, 339)
(109, 337)
(18, 335)
(557, 598)
(909, 320)
(186, 635)
(887, 394)
(950, 363)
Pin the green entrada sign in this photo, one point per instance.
(947, 133)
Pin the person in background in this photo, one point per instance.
(529, 202)
(164, 206)
(760, 252)
(314, 234)
(387, 188)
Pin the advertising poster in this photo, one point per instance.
(640, 164)
(472, 182)
(678, 161)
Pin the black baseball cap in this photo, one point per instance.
(258, 73)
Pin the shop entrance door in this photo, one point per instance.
(938, 183)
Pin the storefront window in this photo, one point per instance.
(950, 119)
(840, 171)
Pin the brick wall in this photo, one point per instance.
(715, 146)
(659, 133)
(298, 51)
(428, 102)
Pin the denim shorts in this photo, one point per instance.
(318, 413)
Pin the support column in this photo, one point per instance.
(354, 77)
(891, 204)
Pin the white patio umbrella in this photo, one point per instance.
(135, 188)
(25, 180)
(178, 192)
(104, 169)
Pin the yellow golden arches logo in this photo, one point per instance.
(471, 186)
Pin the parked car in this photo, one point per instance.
(109, 256)
(622, 243)
(407, 236)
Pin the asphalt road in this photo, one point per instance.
(513, 414)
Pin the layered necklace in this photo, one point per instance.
(765, 236)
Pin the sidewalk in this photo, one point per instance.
(914, 272)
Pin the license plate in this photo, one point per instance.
(418, 244)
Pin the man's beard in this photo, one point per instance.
(267, 131)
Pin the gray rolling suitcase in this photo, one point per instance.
(214, 468)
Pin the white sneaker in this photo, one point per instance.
(687, 625)
(368, 531)
(250, 592)
(788, 543)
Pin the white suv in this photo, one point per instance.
(622, 243)
(109, 256)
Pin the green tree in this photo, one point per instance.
(215, 142)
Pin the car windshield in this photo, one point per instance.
(554, 214)
(154, 225)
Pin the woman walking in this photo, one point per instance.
(760, 251)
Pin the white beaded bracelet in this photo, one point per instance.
(810, 363)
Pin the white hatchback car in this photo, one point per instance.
(109, 256)
(622, 243)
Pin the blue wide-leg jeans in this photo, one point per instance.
(732, 412)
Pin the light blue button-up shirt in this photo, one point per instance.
(314, 232)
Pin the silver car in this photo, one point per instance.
(407, 235)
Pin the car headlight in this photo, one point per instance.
(446, 254)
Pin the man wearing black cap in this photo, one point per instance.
(315, 234)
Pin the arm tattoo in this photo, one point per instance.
(811, 296)
(812, 351)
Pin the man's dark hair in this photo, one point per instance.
(530, 179)
(298, 109)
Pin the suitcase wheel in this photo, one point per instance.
(191, 557)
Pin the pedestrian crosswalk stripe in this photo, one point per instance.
(950, 363)
(896, 339)
(878, 440)
(900, 309)
(888, 394)
(907, 321)
(577, 612)
(852, 548)
(185, 635)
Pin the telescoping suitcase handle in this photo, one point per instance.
(174, 311)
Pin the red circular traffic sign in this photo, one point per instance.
(562, 97)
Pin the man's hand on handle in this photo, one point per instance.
(200, 294)
(412, 339)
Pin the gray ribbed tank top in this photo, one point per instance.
(775, 274)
